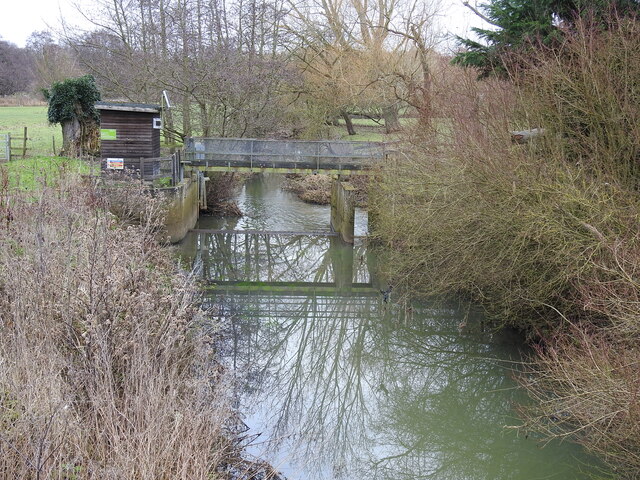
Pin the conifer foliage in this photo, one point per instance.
(516, 26)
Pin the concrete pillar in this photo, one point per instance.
(343, 209)
(342, 263)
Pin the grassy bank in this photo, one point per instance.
(543, 235)
(106, 367)
(41, 135)
(31, 173)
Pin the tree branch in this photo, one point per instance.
(480, 14)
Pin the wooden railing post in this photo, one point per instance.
(24, 144)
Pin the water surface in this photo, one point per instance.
(334, 382)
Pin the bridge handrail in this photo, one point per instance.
(289, 148)
(250, 154)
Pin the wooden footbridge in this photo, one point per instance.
(283, 156)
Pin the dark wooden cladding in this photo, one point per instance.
(135, 135)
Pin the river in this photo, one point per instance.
(336, 380)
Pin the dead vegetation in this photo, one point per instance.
(317, 188)
(221, 187)
(544, 235)
(309, 188)
(106, 363)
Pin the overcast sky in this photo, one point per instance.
(20, 18)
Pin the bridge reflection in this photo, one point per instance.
(347, 386)
(280, 263)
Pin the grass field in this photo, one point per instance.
(41, 164)
(29, 174)
(40, 133)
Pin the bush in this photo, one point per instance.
(544, 235)
(106, 367)
(587, 96)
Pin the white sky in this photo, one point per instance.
(19, 18)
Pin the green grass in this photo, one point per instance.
(31, 173)
(365, 135)
(40, 133)
(369, 123)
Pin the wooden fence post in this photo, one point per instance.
(8, 147)
(24, 144)
(174, 170)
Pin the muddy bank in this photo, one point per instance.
(317, 188)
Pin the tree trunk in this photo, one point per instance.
(204, 119)
(391, 121)
(80, 138)
(186, 115)
(71, 137)
(347, 120)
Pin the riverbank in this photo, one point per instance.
(331, 380)
(316, 189)
(107, 366)
(543, 235)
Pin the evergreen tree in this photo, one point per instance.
(519, 25)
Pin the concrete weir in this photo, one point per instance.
(184, 201)
(182, 208)
(343, 209)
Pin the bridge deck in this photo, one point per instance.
(293, 288)
(283, 156)
(266, 232)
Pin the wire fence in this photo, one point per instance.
(253, 153)
(165, 171)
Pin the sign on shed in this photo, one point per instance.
(115, 163)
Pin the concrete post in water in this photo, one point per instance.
(342, 263)
(343, 209)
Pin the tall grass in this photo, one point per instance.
(544, 235)
(106, 367)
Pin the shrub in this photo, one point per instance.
(544, 235)
(106, 365)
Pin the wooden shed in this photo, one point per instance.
(129, 132)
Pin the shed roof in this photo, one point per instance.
(128, 107)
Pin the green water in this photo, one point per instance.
(335, 383)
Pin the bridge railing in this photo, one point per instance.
(290, 154)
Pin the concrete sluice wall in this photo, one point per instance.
(182, 203)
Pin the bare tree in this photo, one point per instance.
(356, 53)
(16, 69)
(219, 61)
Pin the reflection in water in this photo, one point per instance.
(276, 258)
(348, 386)
(336, 383)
